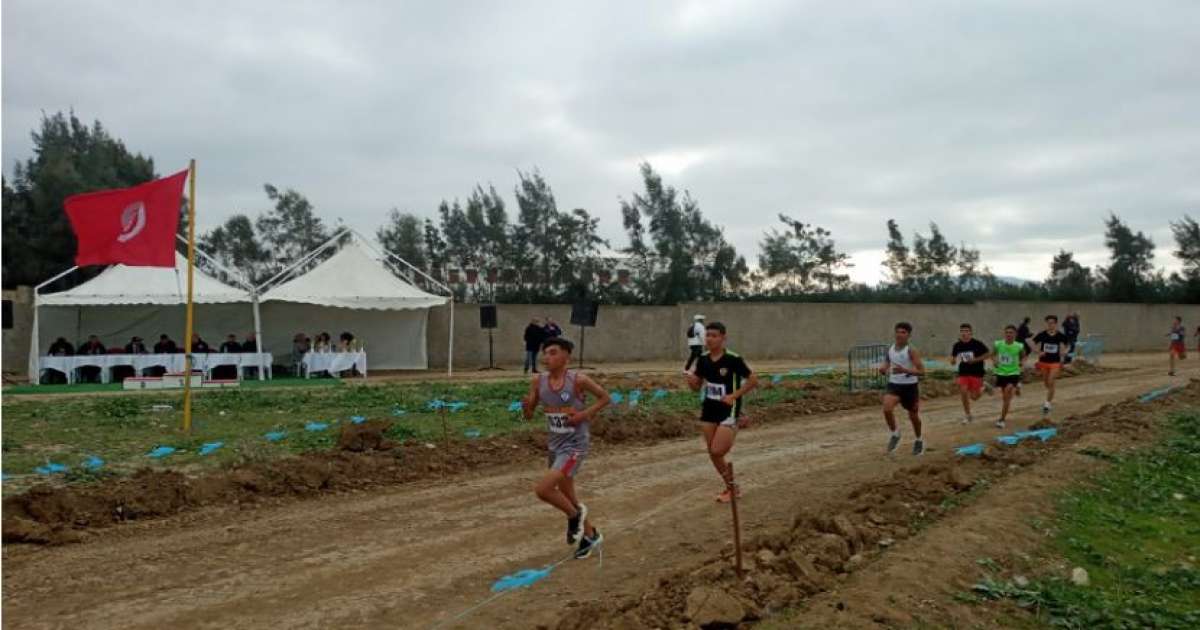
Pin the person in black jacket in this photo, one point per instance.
(534, 336)
(61, 348)
(165, 345)
(1071, 330)
(135, 346)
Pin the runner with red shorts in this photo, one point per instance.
(1049, 345)
(1178, 336)
(969, 354)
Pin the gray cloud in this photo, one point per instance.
(1015, 125)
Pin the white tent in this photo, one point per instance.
(123, 301)
(354, 291)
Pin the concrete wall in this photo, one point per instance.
(790, 330)
(15, 360)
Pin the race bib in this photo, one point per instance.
(1050, 348)
(1176, 337)
(964, 357)
(714, 391)
(1007, 359)
(559, 423)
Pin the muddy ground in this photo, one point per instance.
(424, 552)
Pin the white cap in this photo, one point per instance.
(698, 317)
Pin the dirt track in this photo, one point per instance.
(420, 554)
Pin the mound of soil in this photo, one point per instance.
(787, 567)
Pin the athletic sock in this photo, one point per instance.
(896, 433)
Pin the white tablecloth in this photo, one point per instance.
(334, 362)
(139, 362)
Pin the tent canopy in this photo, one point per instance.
(352, 278)
(120, 284)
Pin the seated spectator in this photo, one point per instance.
(92, 346)
(165, 345)
(346, 342)
(61, 348)
(231, 344)
(90, 373)
(301, 344)
(135, 346)
(251, 343)
(323, 343)
(199, 345)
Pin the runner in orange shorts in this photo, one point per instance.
(969, 354)
(1050, 345)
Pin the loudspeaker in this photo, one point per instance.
(584, 313)
(487, 316)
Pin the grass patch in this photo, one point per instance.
(122, 428)
(1136, 531)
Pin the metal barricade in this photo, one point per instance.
(864, 361)
(1090, 349)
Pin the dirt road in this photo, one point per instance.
(421, 554)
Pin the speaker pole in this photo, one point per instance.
(582, 342)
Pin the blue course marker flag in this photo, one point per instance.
(660, 393)
(777, 379)
(395, 412)
(472, 433)
(435, 404)
(93, 463)
(316, 426)
(521, 579)
(275, 436)
(456, 406)
(161, 452)
(209, 447)
(617, 398)
(971, 450)
(50, 468)
(514, 405)
(1008, 440)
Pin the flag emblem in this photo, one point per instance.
(133, 220)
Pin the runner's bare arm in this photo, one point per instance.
(592, 387)
(748, 386)
(918, 364)
(531, 399)
(886, 368)
(693, 381)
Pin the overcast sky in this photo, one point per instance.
(1015, 125)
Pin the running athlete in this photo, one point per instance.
(969, 353)
(725, 379)
(1178, 336)
(903, 367)
(563, 394)
(1050, 344)
(1007, 357)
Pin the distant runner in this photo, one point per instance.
(1178, 336)
(695, 341)
(1050, 345)
(725, 379)
(969, 354)
(904, 368)
(1007, 356)
(562, 393)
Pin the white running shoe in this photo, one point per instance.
(1046, 408)
(999, 424)
(967, 419)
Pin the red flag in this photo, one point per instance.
(132, 226)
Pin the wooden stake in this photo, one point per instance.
(737, 528)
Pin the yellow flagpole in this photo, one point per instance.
(187, 338)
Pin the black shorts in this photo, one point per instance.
(1003, 381)
(909, 394)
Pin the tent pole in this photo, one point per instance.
(450, 356)
(35, 352)
(258, 337)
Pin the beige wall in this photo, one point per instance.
(759, 330)
(15, 359)
(791, 330)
